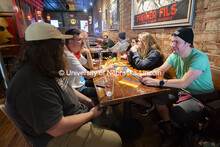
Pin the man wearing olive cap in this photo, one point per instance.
(49, 112)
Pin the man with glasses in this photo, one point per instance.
(108, 43)
(78, 63)
(85, 38)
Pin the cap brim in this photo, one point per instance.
(66, 36)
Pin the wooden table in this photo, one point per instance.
(128, 128)
(124, 93)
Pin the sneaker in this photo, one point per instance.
(144, 111)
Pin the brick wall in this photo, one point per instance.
(206, 27)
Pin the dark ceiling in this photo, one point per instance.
(68, 5)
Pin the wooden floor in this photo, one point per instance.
(151, 135)
(9, 137)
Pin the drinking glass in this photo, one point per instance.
(109, 86)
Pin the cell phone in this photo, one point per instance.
(101, 84)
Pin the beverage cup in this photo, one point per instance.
(160, 75)
(100, 56)
(109, 86)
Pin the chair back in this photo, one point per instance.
(10, 132)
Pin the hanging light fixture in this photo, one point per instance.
(29, 17)
(48, 17)
(38, 12)
(85, 10)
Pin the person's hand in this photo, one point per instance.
(89, 103)
(97, 110)
(85, 50)
(124, 56)
(134, 48)
(150, 81)
(109, 67)
(143, 75)
(110, 49)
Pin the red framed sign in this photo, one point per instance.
(158, 13)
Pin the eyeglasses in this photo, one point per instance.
(80, 39)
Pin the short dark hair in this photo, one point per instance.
(135, 38)
(73, 32)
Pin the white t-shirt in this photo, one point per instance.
(76, 69)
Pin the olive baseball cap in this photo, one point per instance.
(43, 31)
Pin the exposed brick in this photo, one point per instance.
(213, 25)
(211, 58)
(212, 14)
(218, 38)
(217, 62)
(214, 4)
(211, 47)
(205, 37)
(206, 27)
(206, 4)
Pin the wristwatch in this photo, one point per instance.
(161, 83)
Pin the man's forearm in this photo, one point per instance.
(80, 96)
(89, 60)
(69, 123)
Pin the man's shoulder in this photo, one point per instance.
(70, 55)
(172, 57)
(198, 53)
(110, 40)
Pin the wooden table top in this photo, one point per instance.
(124, 93)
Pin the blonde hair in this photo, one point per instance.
(149, 44)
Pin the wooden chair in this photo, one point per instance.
(10, 133)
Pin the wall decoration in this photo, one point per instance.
(26, 13)
(9, 38)
(157, 13)
(84, 25)
(8, 34)
(104, 21)
(73, 21)
(113, 10)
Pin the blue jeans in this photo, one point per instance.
(88, 89)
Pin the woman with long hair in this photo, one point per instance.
(146, 55)
(133, 42)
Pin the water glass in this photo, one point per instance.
(109, 86)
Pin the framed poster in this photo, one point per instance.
(8, 33)
(84, 25)
(113, 11)
(104, 21)
(157, 13)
